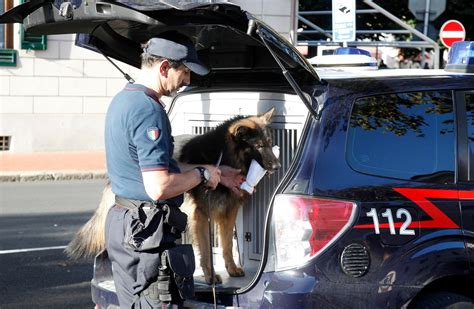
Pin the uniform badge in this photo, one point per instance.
(152, 133)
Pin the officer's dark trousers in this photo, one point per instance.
(131, 269)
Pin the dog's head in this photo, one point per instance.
(253, 140)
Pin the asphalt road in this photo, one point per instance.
(35, 218)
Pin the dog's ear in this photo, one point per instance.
(267, 116)
(243, 133)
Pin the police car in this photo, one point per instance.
(374, 203)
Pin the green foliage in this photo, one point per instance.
(395, 112)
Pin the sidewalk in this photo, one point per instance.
(52, 166)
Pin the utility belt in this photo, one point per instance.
(150, 223)
(131, 204)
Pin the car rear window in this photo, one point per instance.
(404, 135)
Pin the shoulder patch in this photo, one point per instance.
(152, 133)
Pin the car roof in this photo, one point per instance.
(334, 73)
(360, 84)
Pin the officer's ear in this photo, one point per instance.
(164, 66)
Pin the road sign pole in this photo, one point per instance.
(425, 29)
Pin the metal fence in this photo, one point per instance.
(425, 41)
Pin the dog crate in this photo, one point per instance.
(199, 113)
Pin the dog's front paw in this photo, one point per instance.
(236, 272)
(217, 279)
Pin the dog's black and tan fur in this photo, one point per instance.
(240, 140)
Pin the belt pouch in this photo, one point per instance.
(182, 265)
(145, 229)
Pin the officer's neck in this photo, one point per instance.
(150, 78)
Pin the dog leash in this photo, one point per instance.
(211, 259)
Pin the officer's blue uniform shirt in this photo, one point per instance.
(137, 139)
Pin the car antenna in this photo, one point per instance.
(127, 77)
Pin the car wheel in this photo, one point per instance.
(446, 300)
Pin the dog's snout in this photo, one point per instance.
(274, 164)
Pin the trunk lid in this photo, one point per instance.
(224, 35)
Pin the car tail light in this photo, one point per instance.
(304, 226)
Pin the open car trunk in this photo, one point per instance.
(198, 112)
(195, 112)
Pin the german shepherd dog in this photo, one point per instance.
(239, 139)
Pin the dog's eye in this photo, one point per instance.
(259, 146)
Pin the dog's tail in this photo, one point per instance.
(90, 239)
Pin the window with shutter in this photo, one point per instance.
(32, 41)
(7, 53)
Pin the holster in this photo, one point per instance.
(176, 219)
(145, 229)
(149, 222)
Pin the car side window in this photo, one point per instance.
(469, 99)
(407, 136)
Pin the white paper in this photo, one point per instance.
(256, 172)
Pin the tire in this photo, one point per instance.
(445, 300)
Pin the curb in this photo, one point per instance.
(51, 176)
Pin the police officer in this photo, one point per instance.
(143, 174)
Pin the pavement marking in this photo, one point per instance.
(31, 249)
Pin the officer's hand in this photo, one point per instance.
(232, 179)
(215, 176)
